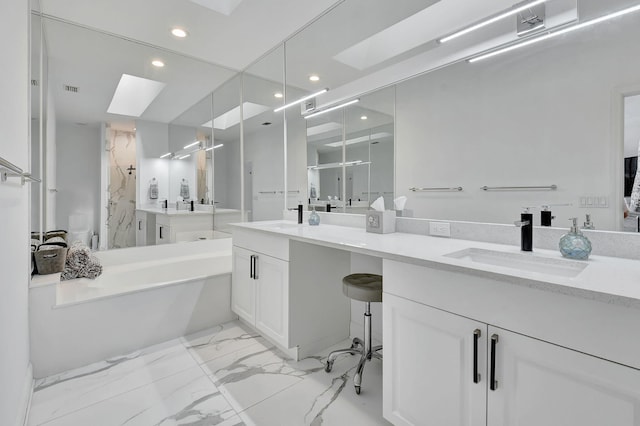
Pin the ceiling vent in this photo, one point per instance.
(308, 106)
(531, 19)
(72, 89)
(35, 83)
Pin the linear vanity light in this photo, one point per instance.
(165, 155)
(184, 156)
(214, 147)
(548, 36)
(190, 145)
(313, 95)
(315, 114)
(491, 21)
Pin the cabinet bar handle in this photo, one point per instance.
(251, 267)
(493, 383)
(161, 232)
(255, 266)
(139, 225)
(476, 336)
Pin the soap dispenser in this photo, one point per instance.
(314, 217)
(574, 245)
(588, 224)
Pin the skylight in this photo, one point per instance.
(226, 7)
(232, 117)
(360, 139)
(134, 95)
(323, 128)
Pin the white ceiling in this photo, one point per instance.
(94, 62)
(234, 41)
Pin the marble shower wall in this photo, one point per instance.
(201, 175)
(122, 189)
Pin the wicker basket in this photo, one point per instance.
(50, 258)
(57, 233)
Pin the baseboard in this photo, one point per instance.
(25, 400)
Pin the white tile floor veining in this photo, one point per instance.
(228, 375)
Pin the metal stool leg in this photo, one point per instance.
(358, 346)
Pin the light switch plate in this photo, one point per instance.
(440, 229)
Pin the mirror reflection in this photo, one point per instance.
(513, 123)
(129, 141)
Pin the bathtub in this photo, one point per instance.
(145, 295)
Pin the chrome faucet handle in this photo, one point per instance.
(520, 223)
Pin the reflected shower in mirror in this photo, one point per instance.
(107, 151)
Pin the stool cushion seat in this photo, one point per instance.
(363, 287)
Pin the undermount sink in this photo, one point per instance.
(284, 225)
(521, 261)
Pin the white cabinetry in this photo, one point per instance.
(260, 286)
(184, 226)
(543, 384)
(278, 289)
(432, 348)
(429, 366)
(141, 228)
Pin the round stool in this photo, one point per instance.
(366, 288)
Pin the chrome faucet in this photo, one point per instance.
(526, 230)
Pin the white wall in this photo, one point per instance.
(78, 174)
(265, 150)
(152, 141)
(14, 211)
(227, 175)
(538, 117)
(35, 168)
(51, 221)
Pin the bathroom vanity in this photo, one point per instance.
(164, 226)
(474, 333)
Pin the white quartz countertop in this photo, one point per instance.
(171, 211)
(605, 279)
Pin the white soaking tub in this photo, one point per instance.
(145, 295)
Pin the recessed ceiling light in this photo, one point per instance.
(314, 78)
(179, 32)
(157, 63)
(278, 95)
(364, 117)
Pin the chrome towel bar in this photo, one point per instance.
(456, 189)
(8, 169)
(520, 188)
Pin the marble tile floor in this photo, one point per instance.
(228, 375)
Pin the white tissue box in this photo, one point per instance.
(381, 222)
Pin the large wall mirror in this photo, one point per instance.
(552, 124)
(127, 128)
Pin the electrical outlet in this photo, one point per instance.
(440, 229)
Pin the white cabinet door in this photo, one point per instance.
(243, 285)
(141, 229)
(272, 298)
(163, 233)
(429, 365)
(542, 384)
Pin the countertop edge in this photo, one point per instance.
(471, 269)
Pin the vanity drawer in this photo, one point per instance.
(262, 242)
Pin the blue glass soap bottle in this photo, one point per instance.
(574, 245)
(314, 218)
